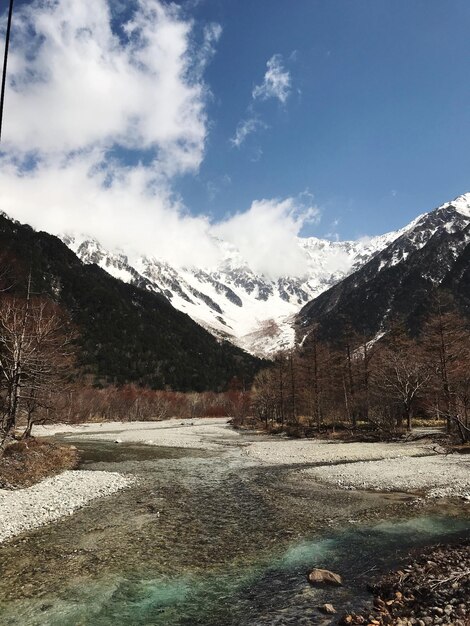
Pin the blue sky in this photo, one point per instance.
(369, 126)
(377, 127)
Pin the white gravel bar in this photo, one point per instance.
(437, 476)
(54, 498)
(381, 466)
(202, 433)
(300, 451)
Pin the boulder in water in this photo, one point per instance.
(324, 577)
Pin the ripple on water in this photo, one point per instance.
(272, 591)
(231, 547)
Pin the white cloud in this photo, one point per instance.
(122, 207)
(84, 97)
(244, 129)
(81, 90)
(76, 83)
(212, 34)
(266, 235)
(125, 208)
(276, 82)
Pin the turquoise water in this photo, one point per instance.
(232, 547)
(273, 592)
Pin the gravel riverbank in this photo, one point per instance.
(214, 538)
(433, 589)
(202, 433)
(439, 476)
(304, 451)
(53, 498)
(380, 466)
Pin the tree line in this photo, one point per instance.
(381, 384)
(83, 403)
(354, 382)
(41, 380)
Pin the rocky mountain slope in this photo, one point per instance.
(432, 253)
(127, 334)
(231, 300)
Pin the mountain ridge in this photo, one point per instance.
(263, 315)
(399, 281)
(126, 334)
(231, 300)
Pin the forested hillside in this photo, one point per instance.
(126, 334)
(401, 281)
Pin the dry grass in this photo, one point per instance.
(427, 423)
(27, 462)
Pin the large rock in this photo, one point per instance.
(324, 577)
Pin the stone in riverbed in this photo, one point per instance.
(352, 620)
(329, 609)
(324, 577)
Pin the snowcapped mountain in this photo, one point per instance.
(125, 334)
(254, 311)
(433, 252)
(231, 300)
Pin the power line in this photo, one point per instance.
(5, 60)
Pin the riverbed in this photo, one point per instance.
(210, 534)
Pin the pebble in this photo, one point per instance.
(442, 477)
(430, 591)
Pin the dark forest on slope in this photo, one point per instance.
(399, 283)
(126, 333)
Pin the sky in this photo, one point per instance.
(158, 126)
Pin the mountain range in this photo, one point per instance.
(125, 334)
(366, 280)
(401, 281)
(142, 320)
(232, 301)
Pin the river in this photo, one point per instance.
(210, 538)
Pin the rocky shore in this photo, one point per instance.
(53, 498)
(433, 589)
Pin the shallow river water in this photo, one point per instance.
(210, 538)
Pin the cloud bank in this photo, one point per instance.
(75, 83)
(267, 234)
(101, 117)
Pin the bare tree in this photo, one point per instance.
(320, 380)
(36, 351)
(265, 395)
(446, 338)
(400, 374)
(280, 364)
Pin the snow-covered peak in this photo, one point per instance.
(253, 310)
(461, 204)
(232, 300)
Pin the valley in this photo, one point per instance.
(234, 313)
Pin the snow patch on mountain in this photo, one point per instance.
(460, 204)
(250, 309)
(231, 300)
